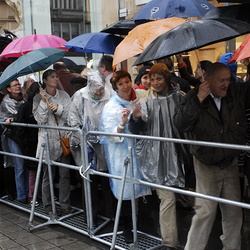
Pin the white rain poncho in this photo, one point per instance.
(116, 148)
(85, 110)
(160, 162)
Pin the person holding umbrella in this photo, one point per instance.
(215, 111)
(198, 73)
(51, 107)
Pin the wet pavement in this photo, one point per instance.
(15, 236)
(14, 233)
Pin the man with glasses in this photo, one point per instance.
(8, 111)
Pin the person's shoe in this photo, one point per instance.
(128, 236)
(48, 209)
(23, 201)
(36, 203)
(67, 211)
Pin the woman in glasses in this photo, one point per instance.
(8, 112)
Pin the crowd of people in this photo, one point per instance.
(210, 106)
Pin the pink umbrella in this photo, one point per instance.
(26, 44)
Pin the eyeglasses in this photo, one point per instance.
(16, 85)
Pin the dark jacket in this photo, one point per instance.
(204, 122)
(184, 85)
(190, 79)
(28, 136)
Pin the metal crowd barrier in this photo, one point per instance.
(76, 221)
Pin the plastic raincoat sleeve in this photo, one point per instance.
(74, 117)
(111, 117)
(8, 108)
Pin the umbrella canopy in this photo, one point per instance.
(121, 27)
(193, 35)
(160, 9)
(26, 44)
(94, 43)
(34, 61)
(141, 36)
(242, 52)
(238, 12)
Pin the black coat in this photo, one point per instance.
(28, 136)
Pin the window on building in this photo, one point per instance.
(122, 4)
(66, 30)
(65, 4)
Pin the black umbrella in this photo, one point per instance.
(121, 27)
(238, 12)
(193, 35)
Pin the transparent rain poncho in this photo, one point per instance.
(95, 85)
(161, 162)
(86, 107)
(116, 148)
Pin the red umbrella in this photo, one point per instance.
(26, 44)
(242, 52)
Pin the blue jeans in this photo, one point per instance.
(21, 175)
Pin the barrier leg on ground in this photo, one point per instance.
(119, 204)
(39, 170)
(134, 217)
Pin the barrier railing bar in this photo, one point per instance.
(131, 180)
(175, 140)
(173, 189)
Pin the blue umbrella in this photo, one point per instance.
(94, 43)
(31, 62)
(160, 9)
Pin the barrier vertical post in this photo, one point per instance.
(39, 170)
(131, 167)
(119, 204)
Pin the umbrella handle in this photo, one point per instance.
(47, 101)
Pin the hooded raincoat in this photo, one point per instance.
(116, 148)
(85, 112)
(160, 162)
